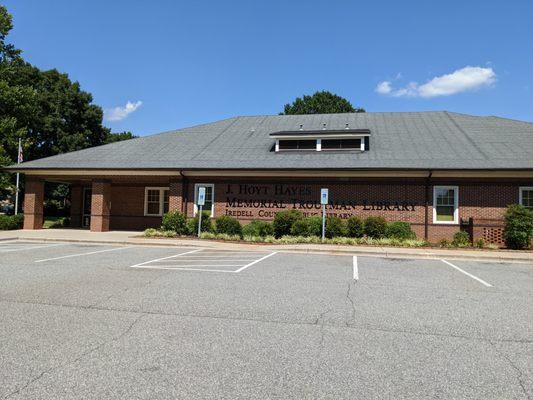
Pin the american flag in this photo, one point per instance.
(20, 157)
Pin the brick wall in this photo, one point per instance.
(33, 203)
(395, 200)
(101, 206)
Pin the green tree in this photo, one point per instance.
(320, 103)
(49, 112)
(119, 136)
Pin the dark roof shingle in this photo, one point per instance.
(401, 140)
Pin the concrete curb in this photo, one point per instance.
(380, 252)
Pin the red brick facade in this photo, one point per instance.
(101, 205)
(33, 204)
(118, 203)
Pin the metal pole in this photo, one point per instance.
(18, 181)
(199, 220)
(323, 222)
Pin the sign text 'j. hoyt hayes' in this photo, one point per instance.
(263, 201)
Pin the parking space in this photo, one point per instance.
(184, 322)
(208, 260)
(8, 246)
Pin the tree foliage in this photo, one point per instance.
(320, 103)
(119, 136)
(45, 109)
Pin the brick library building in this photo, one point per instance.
(439, 171)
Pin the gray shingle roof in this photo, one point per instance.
(401, 140)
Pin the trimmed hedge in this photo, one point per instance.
(175, 221)
(192, 224)
(399, 230)
(375, 227)
(11, 222)
(335, 227)
(258, 228)
(228, 225)
(355, 227)
(284, 220)
(310, 226)
(518, 227)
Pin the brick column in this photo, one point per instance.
(175, 201)
(76, 203)
(33, 203)
(100, 206)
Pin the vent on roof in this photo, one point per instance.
(322, 140)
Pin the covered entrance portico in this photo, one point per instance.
(92, 197)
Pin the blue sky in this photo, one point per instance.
(180, 63)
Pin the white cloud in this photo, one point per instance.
(461, 80)
(119, 113)
(384, 87)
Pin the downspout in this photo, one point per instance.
(185, 192)
(426, 217)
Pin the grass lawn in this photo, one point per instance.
(53, 222)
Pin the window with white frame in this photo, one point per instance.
(445, 204)
(526, 196)
(209, 205)
(156, 201)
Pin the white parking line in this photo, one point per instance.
(83, 254)
(355, 269)
(33, 247)
(188, 269)
(255, 262)
(183, 259)
(187, 262)
(467, 273)
(141, 265)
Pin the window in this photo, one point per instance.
(526, 197)
(156, 201)
(209, 205)
(297, 145)
(341, 144)
(445, 205)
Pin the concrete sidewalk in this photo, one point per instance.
(134, 238)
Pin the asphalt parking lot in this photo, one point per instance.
(84, 321)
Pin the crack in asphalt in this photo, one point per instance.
(184, 315)
(352, 302)
(128, 329)
(520, 374)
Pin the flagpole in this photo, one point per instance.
(18, 180)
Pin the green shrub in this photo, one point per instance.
(355, 227)
(518, 227)
(258, 228)
(175, 221)
(480, 243)
(192, 224)
(228, 225)
(444, 243)
(284, 220)
(151, 232)
(11, 222)
(219, 236)
(335, 227)
(375, 227)
(461, 239)
(310, 226)
(399, 230)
